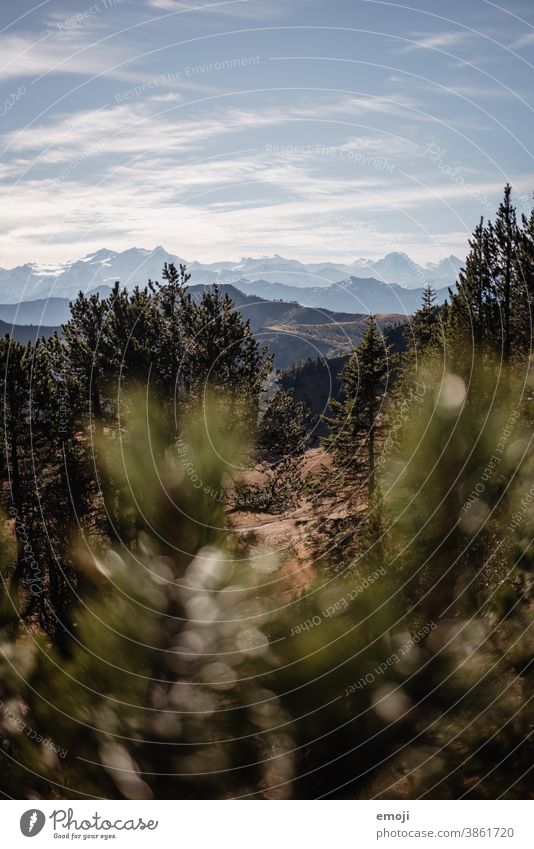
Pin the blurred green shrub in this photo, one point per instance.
(189, 675)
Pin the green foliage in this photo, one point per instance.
(283, 436)
(355, 426)
(423, 331)
(60, 476)
(189, 677)
(147, 651)
(491, 308)
(314, 383)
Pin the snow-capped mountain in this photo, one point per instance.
(30, 282)
(136, 266)
(443, 270)
(401, 269)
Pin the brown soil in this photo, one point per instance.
(288, 535)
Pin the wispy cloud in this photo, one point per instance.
(524, 41)
(134, 147)
(439, 40)
(239, 203)
(483, 89)
(123, 128)
(61, 52)
(256, 9)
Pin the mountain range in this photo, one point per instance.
(135, 266)
(351, 296)
(299, 311)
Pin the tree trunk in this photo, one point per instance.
(507, 288)
(101, 466)
(17, 504)
(371, 460)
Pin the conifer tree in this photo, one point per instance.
(356, 423)
(504, 238)
(491, 306)
(283, 436)
(131, 331)
(14, 387)
(174, 311)
(475, 311)
(423, 330)
(222, 352)
(85, 338)
(522, 322)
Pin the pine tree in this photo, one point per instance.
(423, 330)
(14, 391)
(283, 437)
(89, 351)
(222, 352)
(85, 336)
(63, 484)
(174, 320)
(474, 305)
(131, 333)
(491, 307)
(356, 424)
(504, 239)
(522, 318)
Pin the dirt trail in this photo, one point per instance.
(288, 535)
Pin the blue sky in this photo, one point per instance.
(317, 129)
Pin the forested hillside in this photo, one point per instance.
(220, 582)
(292, 332)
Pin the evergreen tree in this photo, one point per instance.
(491, 306)
(174, 322)
(475, 308)
(423, 330)
(282, 439)
(88, 352)
(85, 337)
(131, 333)
(522, 323)
(356, 423)
(222, 352)
(178, 643)
(14, 387)
(504, 240)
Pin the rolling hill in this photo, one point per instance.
(292, 332)
(26, 332)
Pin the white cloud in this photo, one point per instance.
(170, 97)
(524, 40)
(143, 177)
(62, 52)
(129, 129)
(484, 89)
(242, 203)
(383, 144)
(439, 40)
(256, 9)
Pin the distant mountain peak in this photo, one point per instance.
(135, 266)
(395, 254)
(100, 254)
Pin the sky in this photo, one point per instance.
(314, 129)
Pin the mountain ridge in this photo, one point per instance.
(135, 266)
(292, 332)
(343, 300)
